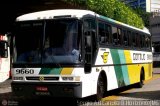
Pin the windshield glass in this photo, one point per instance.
(47, 42)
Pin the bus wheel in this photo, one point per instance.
(141, 83)
(100, 88)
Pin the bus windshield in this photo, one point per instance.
(46, 42)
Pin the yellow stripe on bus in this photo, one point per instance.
(132, 69)
(66, 71)
(127, 56)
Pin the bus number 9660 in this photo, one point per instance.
(24, 71)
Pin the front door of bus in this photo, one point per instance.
(89, 36)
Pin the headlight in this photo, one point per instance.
(67, 78)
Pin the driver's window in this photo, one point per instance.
(89, 27)
(89, 24)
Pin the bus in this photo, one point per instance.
(4, 58)
(77, 53)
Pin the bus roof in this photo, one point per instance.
(50, 14)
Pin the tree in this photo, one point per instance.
(113, 9)
(144, 15)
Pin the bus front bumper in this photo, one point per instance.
(55, 89)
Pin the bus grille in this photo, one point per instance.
(42, 78)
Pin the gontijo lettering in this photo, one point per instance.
(138, 56)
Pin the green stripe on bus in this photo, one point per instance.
(124, 67)
(44, 70)
(55, 71)
(117, 68)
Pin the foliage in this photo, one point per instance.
(113, 9)
(144, 15)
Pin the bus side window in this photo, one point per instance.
(137, 40)
(103, 32)
(133, 40)
(140, 38)
(119, 36)
(143, 41)
(108, 31)
(125, 38)
(114, 35)
(129, 38)
(147, 42)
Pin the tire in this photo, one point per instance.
(100, 88)
(141, 83)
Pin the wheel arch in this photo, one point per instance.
(142, 72)
(104, 75)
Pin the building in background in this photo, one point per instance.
(147, 5)
(144, 4)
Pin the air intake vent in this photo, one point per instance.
(42, 78)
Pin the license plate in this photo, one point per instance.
(42, 88)
(42, 93)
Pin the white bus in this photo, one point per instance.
(77, 53)
(4, 58)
